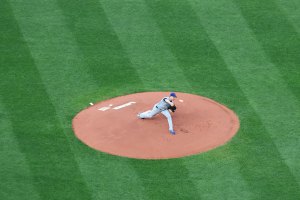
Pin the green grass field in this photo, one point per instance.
(59, 55)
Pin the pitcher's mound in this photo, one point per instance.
(112, 126)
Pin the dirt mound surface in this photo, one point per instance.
(112, 126)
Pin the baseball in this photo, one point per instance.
(91, 104)
(180, 100)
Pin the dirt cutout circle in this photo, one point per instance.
(112, 126)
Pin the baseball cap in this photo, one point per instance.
(172, 94)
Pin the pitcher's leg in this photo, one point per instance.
(144, 115)
(149, 113)
(170, 122)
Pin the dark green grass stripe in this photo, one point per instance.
(266, 91)
(142, 40)
(260, 163)
(203, 65)
(156, 187)
(99, 44)
(63, 72)
(191, 47)
(291, 9)
(195, 53)
(166, 179)
(277, 36)
(39, 135)
(16, 180)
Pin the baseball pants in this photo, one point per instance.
(151, 113)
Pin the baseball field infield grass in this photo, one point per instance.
(58, 56)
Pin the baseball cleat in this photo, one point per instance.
(172, 132)
(138, 116)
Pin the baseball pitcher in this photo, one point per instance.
(163, 107)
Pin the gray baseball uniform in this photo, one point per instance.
(160, 107)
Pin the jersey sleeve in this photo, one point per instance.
(164, 99)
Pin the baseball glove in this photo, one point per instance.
(173, 108)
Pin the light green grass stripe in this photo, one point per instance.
(158, 70)
(55, 55)
(64, 72)
(34, 124)
(104, 55)
(278, 38)
(214, 178)
(16, 179)
(143, 28)
(255, 74)
(144, 45)
(181, 28)
(55, 52)
(291, 9)
(217, 175)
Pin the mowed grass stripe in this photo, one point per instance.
(111, 67)
(259, 79)
(291, 9)
(71, 87)
(100, 47)
(145, 47)
(267, 92)
(56, 54)
(279, 39)
(60, 65)
(217, 174)
(16, 179)
(33, 118)
(268, 158)
(183, 37)
(203, 68)
(167, 179)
